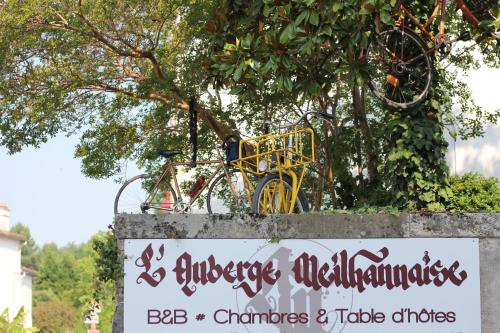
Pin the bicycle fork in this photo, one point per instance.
(296, 182)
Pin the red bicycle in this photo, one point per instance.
(401, 59)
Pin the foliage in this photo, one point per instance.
(68, 282)
(54, 317)
(16, 325)
(298, 48)
(120, 75)
(29, 249)
(474, 193)
(108, 260)
(416, 166)
(307, 51)
(391, 210)
(116, 73)
(57, 272)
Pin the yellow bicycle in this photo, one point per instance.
(280, 161)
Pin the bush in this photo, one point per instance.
(473, 192)
(54, 317)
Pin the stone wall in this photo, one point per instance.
(484, 226)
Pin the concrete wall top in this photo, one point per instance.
(474, 225)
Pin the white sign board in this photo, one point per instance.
(302, 286)
(88, 320)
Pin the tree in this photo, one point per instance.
(69, 280)
(121, 76)
(309, 52)
(57, 272)
(29, 248)
(119, 71)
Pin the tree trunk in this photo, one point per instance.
(359, 108)
(221, 130)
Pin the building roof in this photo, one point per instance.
(12, 235)
(29, 271)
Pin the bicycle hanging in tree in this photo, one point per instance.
(401, 59)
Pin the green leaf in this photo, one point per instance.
(359, 80)
(238, 72)
(303, 16)
(230, 47)
(325, 30)
(287, 33)
(307, 47)
(246, 42)
(288, 83)
(428, 197)
(236, 90)
(337, 6)
(435, 104)
(386, 18)
(314, 18)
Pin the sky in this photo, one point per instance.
(46, 190)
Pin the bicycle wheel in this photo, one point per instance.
(132, 196)
(400, 68)
(220, 198)
(266, 199)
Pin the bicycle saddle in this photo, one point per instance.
(168, 153)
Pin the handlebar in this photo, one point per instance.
(320, 115)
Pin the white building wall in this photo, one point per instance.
(481, 154)
(10, 272)
(25, 297)
(15, 285)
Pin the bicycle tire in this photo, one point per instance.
(124, 203)
(400, 75)
(220, 199)
(301, 205)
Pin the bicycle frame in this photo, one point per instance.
(439, 9)
(171, 168)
